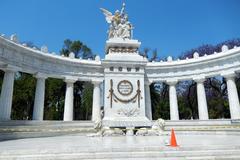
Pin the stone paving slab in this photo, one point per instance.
(80, 146)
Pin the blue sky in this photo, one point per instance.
(170, 26)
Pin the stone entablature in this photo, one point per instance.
(126, 46)
(189, 69)
(31, 61)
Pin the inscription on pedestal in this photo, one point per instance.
(125, 88)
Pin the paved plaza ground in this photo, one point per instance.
(75, 146)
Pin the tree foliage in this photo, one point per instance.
(210, 49)
(78, 48)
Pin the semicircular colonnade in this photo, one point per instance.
(15, 57)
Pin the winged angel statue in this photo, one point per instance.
(119, 26)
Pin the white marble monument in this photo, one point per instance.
(124, 100)
(125, 74)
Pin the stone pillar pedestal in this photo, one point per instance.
(174, 115)
(6, 95)
(68, 105)
(39, 98)
(96, 106)
(202, 101)
(148, 104)
(233, 96)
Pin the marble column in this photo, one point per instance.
(148, 104)
(38, 109)
(68, 105)
(96, 105)
(202, 101)
(233, 96)
(6, 95)
(174, 115)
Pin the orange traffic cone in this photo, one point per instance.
(173, 141)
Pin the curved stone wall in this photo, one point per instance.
(226, 62)
(33, 61)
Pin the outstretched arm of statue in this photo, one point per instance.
(123, 9)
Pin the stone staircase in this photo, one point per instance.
(49, 140)
(134, 153)
(210, 127)
(30, 129)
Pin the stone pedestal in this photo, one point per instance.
(124, 101)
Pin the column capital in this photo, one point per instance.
(199, 79)
(229, 75)
(70, 79)
(172, 82)
(40, 75)
(11, 68)
(96, 82)
(148, 82)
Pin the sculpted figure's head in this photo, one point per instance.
(117, 12)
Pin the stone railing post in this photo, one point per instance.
(233, 96)
(68, 104)
(96, 106)
(38, 109)
(174, 115)
(7, 94)
(201, 98)
(148, 104)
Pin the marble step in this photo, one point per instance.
(184, 126)
(210, 126)
(44, 123)
(143, 147)
(179, 158)
(181, 154)
(32, 129)
(37, 126)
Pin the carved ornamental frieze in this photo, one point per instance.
(129, 112)
(123, 50)
(125, 88)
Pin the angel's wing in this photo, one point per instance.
(107, 14)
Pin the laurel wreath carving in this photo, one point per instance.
(113, 96)
(129, 112)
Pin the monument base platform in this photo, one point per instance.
(50, 140)
(10, 130)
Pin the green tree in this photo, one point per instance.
(54, 99)
(23, 96)
(78, 48)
